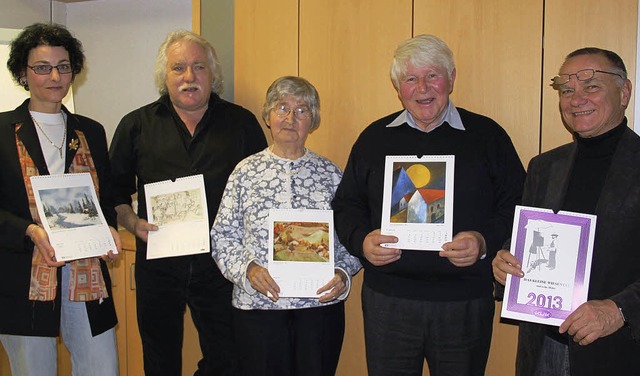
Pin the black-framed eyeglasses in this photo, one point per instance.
(581, 75)
(300, 113)
(46, 68)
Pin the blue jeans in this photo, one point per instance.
(454, 337)
(37, 356)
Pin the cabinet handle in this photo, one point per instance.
(132, 277)
(112, 271)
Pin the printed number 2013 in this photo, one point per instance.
(546, 301)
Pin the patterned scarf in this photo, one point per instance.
(86, 282)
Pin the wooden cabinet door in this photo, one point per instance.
(5, 367)
(611, 25)
(266, 47)
(133, 360)
(117, 270)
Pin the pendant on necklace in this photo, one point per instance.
(64, 135)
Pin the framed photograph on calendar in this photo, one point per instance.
(418, 201)
(70, 213)
(301, 250)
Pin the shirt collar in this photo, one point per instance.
(451, 116)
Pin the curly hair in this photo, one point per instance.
(178, 36)
(41, 34)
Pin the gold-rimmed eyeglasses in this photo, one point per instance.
(300, 113)
(46, 68)
(581, 75)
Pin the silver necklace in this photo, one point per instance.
(64, 135)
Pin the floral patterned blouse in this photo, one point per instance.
(240, 235)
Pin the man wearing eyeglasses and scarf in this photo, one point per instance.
(596, 174)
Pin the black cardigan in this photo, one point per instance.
(488, 184)
(19, 315)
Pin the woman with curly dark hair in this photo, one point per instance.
(41, 297)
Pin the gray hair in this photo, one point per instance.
(617, 65)
(160, 72)
(420, 51)
(298, 88)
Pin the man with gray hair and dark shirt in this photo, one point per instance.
(421, 305)
(189, 130)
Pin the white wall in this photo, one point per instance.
(121, 40)
(15, 16)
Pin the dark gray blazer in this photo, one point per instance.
(615, 271)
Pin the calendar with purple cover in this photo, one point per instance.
(555, 252)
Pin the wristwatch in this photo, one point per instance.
(624, 318)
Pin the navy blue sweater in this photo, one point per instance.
(488, 184)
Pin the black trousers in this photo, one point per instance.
(292, 342)
(454, 337)
(164, 287)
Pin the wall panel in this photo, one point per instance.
(611, 25)
(266, 47)
(497, 46)
(346, 51)
(498, 50)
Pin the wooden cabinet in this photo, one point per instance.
(128, 338)
(124, 295)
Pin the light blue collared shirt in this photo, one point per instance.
(451, 116)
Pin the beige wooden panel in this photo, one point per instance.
(118, 288)
(266, 47)
(353, 358)
(346, 51)
(195, 16)
(497, 46)
(606, 24)
(502, 355)
(191, 353)
(134, 359)
(5, 367)
(133, 363)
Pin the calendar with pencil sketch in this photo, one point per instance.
(555, 251)
(70, 213)
(418, 201)
(301, 250)
(179, 209)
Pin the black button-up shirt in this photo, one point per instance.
(152, 144)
